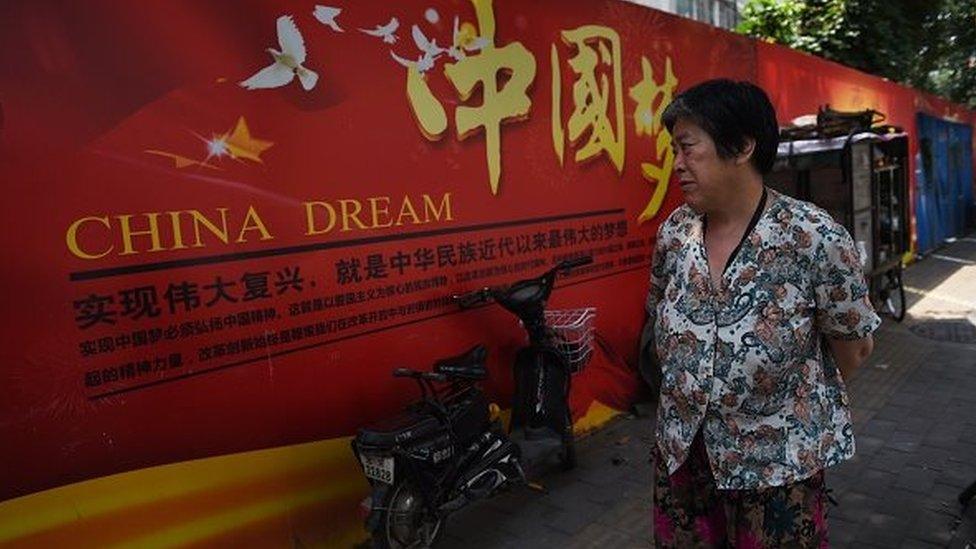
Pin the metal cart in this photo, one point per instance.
(861, 179)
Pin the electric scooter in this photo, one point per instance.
(450, 447)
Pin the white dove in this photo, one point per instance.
(287, 62)
(424, 62)
(477, 44)
(385, 31)
(457, 49)
(456, 52)
(429, 47)
(326, 15)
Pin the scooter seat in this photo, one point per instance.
(396, 430)
(467, 365)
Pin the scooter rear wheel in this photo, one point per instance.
(406, 520)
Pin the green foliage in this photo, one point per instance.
(927, 44)
(771, 20)
(946, 62)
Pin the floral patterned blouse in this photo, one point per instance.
(746, 362)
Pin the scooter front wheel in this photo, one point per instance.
(567, 458)
(407, 520)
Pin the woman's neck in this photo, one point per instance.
(739, 208)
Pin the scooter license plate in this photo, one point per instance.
(378, 468)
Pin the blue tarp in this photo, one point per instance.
(944, 173)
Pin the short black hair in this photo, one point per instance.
(730, 112)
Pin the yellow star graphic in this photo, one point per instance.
(240, 144)
(236, 143)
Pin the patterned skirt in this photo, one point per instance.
(690, 511)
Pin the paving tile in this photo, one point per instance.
(866, 444)
(878, 427)
(854, 507)
(883, 530)
(573, 515)
(942, 498)
(916, 425)
(912, 543)
(905, 441)
(596, 536)
(916, 479)
(890, 460)
(930, 457)
(898, 502)
(841, 533)
(934, 527)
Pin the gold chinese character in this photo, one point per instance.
(426, 108)
(652, 98)
(592, 94)
(500, 103)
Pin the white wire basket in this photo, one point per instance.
(574, 334)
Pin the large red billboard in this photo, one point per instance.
(227, 227)
(228, 223)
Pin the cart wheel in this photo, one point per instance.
(892, 294)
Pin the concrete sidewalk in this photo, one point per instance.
(914, 406)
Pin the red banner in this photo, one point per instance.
(226, 225)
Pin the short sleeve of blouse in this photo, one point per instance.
(844, 310)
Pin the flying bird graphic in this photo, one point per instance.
(326, 15)
(424, 62)
(465, 39)
(386, 32)
(429, 47)
(287, 62)
(478, 43)
(456, 52)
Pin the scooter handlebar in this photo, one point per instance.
(471, 299)
(416, 374)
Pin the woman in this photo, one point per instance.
(760, 311)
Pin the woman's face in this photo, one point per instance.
(705, 178)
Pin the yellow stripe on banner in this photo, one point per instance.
(596, 415)
(183, 502)
(305, 495)
(232, 519)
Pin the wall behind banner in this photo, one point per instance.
(208, 285)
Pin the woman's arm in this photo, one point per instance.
(850, 353)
